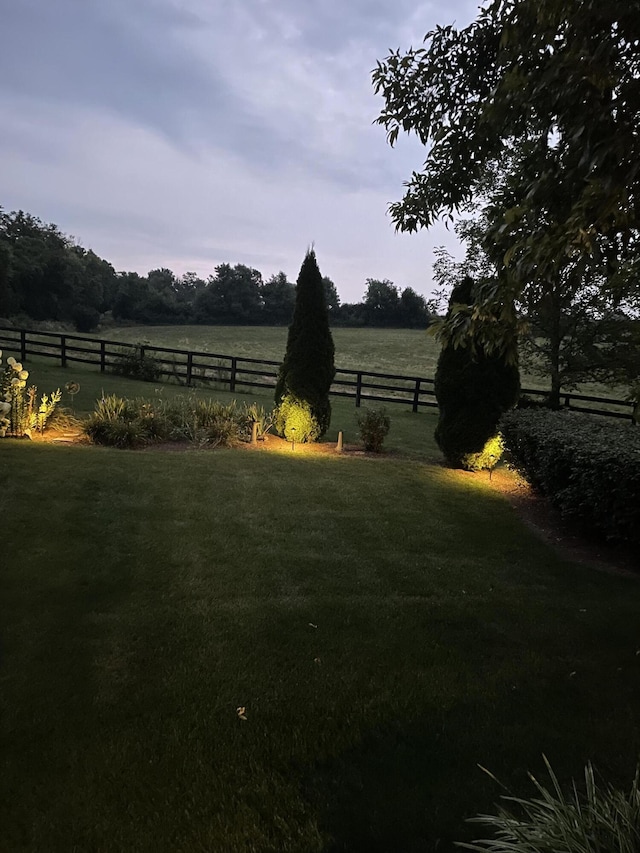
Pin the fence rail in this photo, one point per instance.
(190, 367)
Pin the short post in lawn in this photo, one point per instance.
(293, 438)
(254, 432)
(339, 444)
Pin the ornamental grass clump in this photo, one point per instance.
(20, 412)
(119, 422)
(602, 820)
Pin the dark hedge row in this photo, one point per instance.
(588, 468)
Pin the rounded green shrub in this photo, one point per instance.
(374, 425)
(295, 420)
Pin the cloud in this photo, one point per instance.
(185, 134)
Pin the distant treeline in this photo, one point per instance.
(46, 275)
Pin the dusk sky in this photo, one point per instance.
(189, 133)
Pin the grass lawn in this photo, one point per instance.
(387, 624)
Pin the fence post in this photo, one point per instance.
(103, 354)
(416, 396)
(189, 367)
(63, 351)
(358, 389)
(23, 345)
(232, 378)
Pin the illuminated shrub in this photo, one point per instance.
(374, 425)
(295, 420)
(487, 458)
(306, 374)
(473, 389)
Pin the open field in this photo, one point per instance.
(386, 624)
(409, 352)
(404, 351)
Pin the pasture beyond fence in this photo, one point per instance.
(236, 373)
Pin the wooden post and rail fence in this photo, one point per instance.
(236, 373)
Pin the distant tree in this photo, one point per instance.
(131, 297)
(413, 312)
(162, 280)
(331, 295)
(382, 303)
(302, 391)
(279, 298)
(232, 296)
(350, 314)
(8, 300)
(39, 266)
(473, 389)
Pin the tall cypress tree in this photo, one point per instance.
(303, 410)
(473, 389)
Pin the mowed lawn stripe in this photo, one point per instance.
(386, 625)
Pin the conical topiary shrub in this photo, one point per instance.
(473, 390)
(303, 410)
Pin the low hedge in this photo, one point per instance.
(589, 468)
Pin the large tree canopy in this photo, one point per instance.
(562, 77)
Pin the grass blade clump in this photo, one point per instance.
(602, 820)
(119, 422)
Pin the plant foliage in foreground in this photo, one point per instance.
(119, 422)
(603, 820)
(588, 468)
(20, 412)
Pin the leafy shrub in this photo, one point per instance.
(588, 468)
(602, 819)
(296, 420)
(20, 413)
(374, 425)
(136, 364)
(487, 458)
